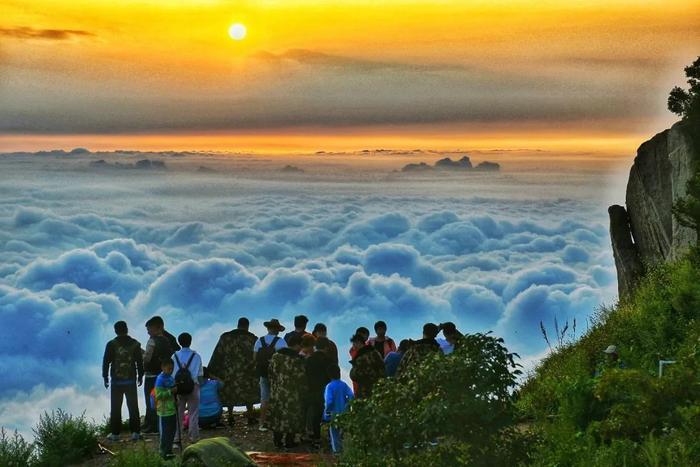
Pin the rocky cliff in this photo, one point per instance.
(644, 232)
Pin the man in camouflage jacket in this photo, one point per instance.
(367, 367)
(288, 388)
(233, 363)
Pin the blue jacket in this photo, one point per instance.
(337, 397)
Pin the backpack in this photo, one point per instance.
(123, 361)
(183, 377)
(264, 355)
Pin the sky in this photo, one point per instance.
(321, 75)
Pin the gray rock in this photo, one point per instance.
(657, 180)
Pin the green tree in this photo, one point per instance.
(448, 410)
(686, 104)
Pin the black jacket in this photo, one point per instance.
(317, 366)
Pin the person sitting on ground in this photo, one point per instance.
(307, 345)
(317, 366)
(188, 361)
(165, 391)
(320, 330)
(233, 363)
(263, 350)
(158, 348)
(612, 360)
(337, 397)
(210, 408)
(381, 342)
(122, 362)
(392, 360)
(300, 323)
(451, 336)
(419, 349)
(288, 388)
(367, 366)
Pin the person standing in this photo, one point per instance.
(265, 347)
(419, 349)
(367, 366)
(233, 363)
(158, 348)
(317, 366)
(165, 391)
(392, 360)
(300, 323)
(288, 387)
(381, 342)
(122, 362)
(337, 396)
(319, 331)
(188, 360)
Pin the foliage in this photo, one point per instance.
(64, 439)
(686, 103)
(105, 428)
(625, 416)
(454, 409)
(14, 450)
(140, 457)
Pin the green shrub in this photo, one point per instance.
(140, 457)
(454, 409)
(63, 439)
(14, 450)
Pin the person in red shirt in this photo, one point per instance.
(381, 342)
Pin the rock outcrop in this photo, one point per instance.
(646, 233)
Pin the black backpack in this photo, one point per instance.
(264, 355)
(183, 377)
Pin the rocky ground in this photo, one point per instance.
(248, 438)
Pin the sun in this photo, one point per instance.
(237, 31)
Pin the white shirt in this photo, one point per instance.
(195, 367)
(268, 340)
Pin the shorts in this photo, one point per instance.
(264, 389)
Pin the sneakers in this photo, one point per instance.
(135, 436)
(113, 438)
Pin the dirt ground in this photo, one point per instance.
(257, 444)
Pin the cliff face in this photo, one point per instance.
(645, 232)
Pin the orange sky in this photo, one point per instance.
(312, 75)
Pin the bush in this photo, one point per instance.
(140, 457)
(14, 450)
(454, 409)
(63, 439)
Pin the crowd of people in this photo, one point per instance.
(295, 378)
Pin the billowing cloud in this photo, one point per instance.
(75, 262)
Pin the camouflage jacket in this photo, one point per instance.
(416, 354)
(367, 369)
(233, 363)
(288, 387)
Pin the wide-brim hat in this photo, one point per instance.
(274, 324)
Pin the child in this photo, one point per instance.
(165, 408)
(337, 397)
(210, 408)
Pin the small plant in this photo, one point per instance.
(62, 438)
(140, 457)
(14, 450)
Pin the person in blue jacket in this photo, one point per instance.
(337, 398)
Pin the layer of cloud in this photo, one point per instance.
(81, 253)
(26, 32)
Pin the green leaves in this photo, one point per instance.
(462, 401)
